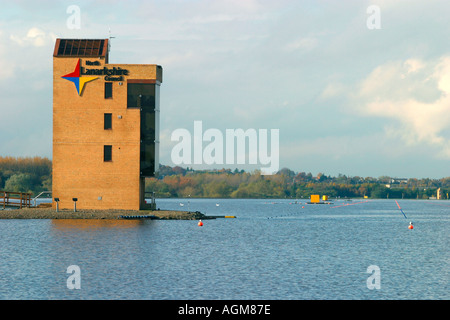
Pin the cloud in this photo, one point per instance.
(332, 90)
(34, 37)
(416, 95)
(302, 44)
(6, 66)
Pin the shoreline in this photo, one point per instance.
(50, 213)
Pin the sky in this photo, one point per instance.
(360, 88)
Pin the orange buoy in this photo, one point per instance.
(410, 226)
(200, 223)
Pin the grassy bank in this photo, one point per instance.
(49, 213)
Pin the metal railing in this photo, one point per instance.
(40, 194)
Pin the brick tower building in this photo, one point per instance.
(105, 127)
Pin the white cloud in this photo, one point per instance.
(332, 90)
(302, 44)
(416, 95)
(34, 37)
(6, 66)
(216, 18)
(413, 65)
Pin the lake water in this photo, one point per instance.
(274, 250)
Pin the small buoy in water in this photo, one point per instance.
(410, 226)
(303, 207)
(200, 223)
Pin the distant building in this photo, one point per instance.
(105, 127)
(439, 194)
(399, 180)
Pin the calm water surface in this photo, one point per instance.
(274, 249)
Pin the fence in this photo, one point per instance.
(15, 199)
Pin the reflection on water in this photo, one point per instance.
(94, 223)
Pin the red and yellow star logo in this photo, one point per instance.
(76, 78)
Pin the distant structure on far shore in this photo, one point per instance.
(105, 127)
(439, 194)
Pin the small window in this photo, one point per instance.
(108, 121)
(107, 153)
(108, 90)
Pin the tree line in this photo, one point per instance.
(226, 183)
(28, 174)
(34, 175)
